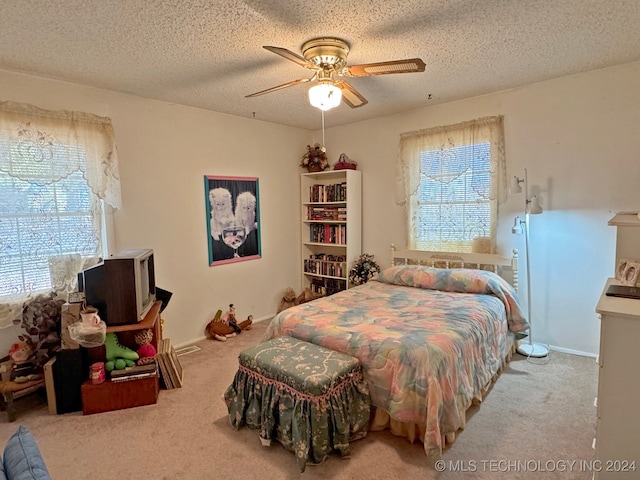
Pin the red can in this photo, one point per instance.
(97, 374)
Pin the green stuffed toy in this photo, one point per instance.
(118, 357)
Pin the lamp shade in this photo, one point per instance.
(515, 185)
(517, 227)
(325, 95)
(534, 206)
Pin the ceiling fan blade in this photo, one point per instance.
(294, 57)
(408, 65)
(350, 95)
(284, 85)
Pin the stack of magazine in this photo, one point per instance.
(169, 364)
(134, 373)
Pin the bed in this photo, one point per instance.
(432, 332)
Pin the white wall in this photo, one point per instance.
(164, 151)
(578, 138)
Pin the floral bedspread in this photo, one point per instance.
(425, 352)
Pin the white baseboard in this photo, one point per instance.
(572, 352)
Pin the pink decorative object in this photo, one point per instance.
(146, 350)
(345, 163)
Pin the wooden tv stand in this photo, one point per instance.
(110, 396)
(126, 333)
(151, 320)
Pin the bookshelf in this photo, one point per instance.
(331, 212)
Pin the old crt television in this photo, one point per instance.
(122, 287)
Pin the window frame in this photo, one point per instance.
(462, 242)
(415, 144)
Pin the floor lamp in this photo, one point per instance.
(520, 226)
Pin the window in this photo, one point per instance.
(56, 171)
(449, 179)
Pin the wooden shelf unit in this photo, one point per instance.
(109, 396)
(151, 320)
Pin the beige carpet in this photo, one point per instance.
(535, 414)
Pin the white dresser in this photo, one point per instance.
(618, 402)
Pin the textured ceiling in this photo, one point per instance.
(209, 54)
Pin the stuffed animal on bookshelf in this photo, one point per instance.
(146, 351)
(288, 299)
(118, 357)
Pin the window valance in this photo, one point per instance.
(58, 144)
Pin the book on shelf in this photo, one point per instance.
(328, 193)
(327, 213)
(135, 372)
(128, 378)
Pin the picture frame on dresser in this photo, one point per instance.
(621, 267)
(630, 274)
(232, 207)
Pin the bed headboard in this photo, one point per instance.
(506, 267)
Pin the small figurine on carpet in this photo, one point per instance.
(219, 330)
(230, 318)
(225, 326)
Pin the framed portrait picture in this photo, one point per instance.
(630, 274)
(621, 268)
(232, 209)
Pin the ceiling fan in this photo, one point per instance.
(327, 58)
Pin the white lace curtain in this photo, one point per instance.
(88, 140)
(43, 147)
(445, 139)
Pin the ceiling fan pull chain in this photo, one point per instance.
(324, 149)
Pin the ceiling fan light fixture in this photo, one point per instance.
(325, 95)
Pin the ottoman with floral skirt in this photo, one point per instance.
(313, 400)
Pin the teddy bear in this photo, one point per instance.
(146, 351)
(307, 295)
(288, 299)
